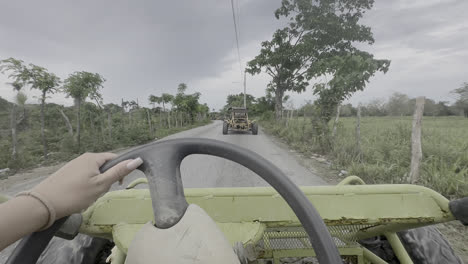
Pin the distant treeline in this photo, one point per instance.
(402, 105)
(397, 104)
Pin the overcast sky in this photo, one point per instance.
(148, 47)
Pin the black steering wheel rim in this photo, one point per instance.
(161, 166)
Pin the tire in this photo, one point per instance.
(254, 129)
(425, 245)
(81, 250)
(225, 128)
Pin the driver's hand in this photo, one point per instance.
(79, 183)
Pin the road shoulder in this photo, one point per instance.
(321, 169)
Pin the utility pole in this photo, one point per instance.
(245, 100)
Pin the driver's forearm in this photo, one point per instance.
(20, 216)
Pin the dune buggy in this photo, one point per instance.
(239, 121)
(348, 223)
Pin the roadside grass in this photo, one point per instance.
(62, 146)
(386, 149)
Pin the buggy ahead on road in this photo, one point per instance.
(239, 121)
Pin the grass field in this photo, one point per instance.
(386, 150)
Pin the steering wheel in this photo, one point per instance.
(162, 168)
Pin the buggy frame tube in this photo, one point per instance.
(398, 248)
(373, 258)
(351, 180)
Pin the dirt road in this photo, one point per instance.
(207, 171)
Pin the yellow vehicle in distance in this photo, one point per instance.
(239, 121)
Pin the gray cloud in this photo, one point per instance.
(144, 47)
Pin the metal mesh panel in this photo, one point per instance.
(296, 237)
(313, 260)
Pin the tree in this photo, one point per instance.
(38, 78)
(187, 103)
(430, 108)
(264, 104)
(284, 62)
(13, 122)
(462, 100)
(399, 105)
(238, 100)
(82, 85)
(21, 99)
(153, 99)
(203, 109)
(167, 98)
(375, 107)
(110, 109)
(443, 109)
(319, 42)
(348, 110)
(18, 72)
(47, 83)
(181, 88)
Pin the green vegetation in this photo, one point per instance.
(128, 127)
(386, 150)
(80, 86)
(256, 106)
(102, 129)
(402, 105)
(462, 98)
(32, 135)
(320, 49)
(320, 42)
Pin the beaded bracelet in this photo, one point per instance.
(45, 202)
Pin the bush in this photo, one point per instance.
(127, 130)
(268, 115)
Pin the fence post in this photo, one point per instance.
(358, 132)
(150, 126)
(416, 148)
(109, 124)
(338, 109)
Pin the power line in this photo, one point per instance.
(238, 19)
(237, 35)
